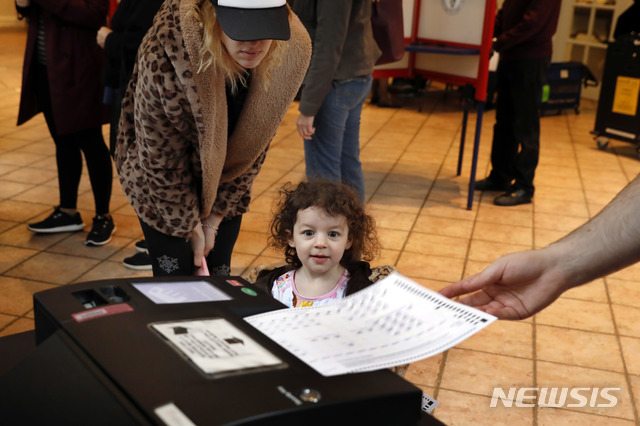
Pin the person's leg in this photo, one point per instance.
(98, 160)
(352, 95)
(115, 108)
(219, 259)
(533, 75)
(96, 154)
(322, 153)
(169, 255)
(504, 147)
(68, 156)
(69, 161)
(174, 256)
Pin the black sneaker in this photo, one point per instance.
(58, 221)
(101, 231)
(139, 261)
(141, 246)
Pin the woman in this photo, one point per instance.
(212, 83)
(61, 78)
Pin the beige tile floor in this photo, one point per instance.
(589, 338)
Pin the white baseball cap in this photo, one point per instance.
(248, 20)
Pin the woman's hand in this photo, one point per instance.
(23, 3)
(203, 238)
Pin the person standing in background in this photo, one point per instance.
(129, 24)
(336, 85)
(523, 32)
(61, 78)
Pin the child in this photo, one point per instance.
(324, 231)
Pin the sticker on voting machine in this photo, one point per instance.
(216, 347)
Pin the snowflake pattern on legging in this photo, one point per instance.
(222, 270)
(168, 264)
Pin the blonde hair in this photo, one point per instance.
(213, 53)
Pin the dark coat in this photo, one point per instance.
(129, 24)
(74, 63)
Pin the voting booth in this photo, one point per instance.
(176, 351)
(449, 41)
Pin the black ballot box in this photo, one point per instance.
(124, 351)
(618, 114)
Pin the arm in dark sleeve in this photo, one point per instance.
(497, 26)
(330, 34)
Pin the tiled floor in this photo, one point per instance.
(590, 338)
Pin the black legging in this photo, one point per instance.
(174, 256)
(69, 150)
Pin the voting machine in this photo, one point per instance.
(176, 351)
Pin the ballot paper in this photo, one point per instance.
(392, 322)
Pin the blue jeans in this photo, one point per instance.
(333, 153)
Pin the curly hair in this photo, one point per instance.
(213, 53)
(336, 199)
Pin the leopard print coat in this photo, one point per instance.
(175, 162)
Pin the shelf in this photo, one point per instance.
(594, 5)
(587, 43)
(584, 31)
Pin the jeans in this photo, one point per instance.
(333, 153)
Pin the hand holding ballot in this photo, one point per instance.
(515, 286)
(521, 284)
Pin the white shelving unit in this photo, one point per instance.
(584, 29)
